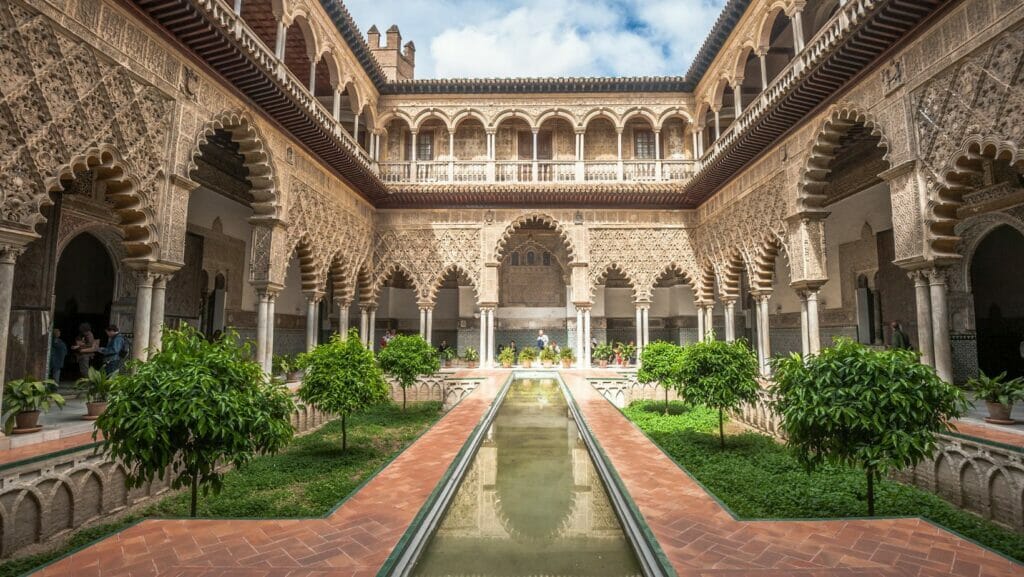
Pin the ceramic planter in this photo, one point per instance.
(26, 422)
(999, 414)
(94, 409)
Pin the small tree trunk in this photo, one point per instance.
(195, 493)
(666, 401)
(871, 491)
(721, 427)
(344, 434)
(403, 399)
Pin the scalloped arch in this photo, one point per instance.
(548, 220)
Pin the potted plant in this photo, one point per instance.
(24, 400)
(507, 357)
(527, 356)
(471, 357)
(448, 355)
(548, 356)
(999, 395)
(568, 358)
(602, 354)
(286, 366)
(628, 351)
(96, 386)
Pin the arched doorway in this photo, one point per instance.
(998, 289)
(83, 292)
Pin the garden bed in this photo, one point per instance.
(306, 479)
(758, 478)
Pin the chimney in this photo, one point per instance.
(396, 63)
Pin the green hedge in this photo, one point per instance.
(759, 478)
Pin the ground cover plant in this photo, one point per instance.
(759, 478)
(307, 478)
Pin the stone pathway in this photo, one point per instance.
(701, 538)
(353, 541)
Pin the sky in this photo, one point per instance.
(506, 38)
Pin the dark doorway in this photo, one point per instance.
(998, 289)
(84, 290)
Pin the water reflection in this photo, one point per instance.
(531, 502)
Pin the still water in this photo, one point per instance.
(531, 502)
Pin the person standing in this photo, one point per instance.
(115, 351)
(85, 346)
(542, 340)
(58, 353)
(900, 339)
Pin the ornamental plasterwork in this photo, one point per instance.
(641, 254)
(66, 107)
(427, 255)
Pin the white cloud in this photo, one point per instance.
(479, 38)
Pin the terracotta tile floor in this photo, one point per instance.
(701, 539)
(353, 541)
(989, 433)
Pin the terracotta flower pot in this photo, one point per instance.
(506, 364)
(526, 364)
(603, 363)
(94, 409)
(471, 364)
(26, 422)
(999, 414)
(294, 376)
(566, 363)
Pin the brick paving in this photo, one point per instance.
(700, 538)
(989, 433)
(354, 541)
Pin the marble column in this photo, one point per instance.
(261, 328)
(268, 362)
(730, 319)
(764, 70)
(371, 329)
(639, 328)
(924, 317)
(701, 329)
(940, 324)
(423, 322)
(364, 324)
(587, 339)
(709, 320)
(312, 319)
(156, 317)
(8, 255)
(143, 313)
(483, 336)
(580, 347)
(764, 341)
(805, 346)
(813, 328)
(647, 325)
(342, 318)
(490, 337)
(430, 325)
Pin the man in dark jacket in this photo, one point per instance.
(115, 351)
(900, 340)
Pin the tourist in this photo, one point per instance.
(115, 351)
(84, 348)
(554, 347)
(900, 340)
(542, 340)
(58, 352)
(443, 346)
(512, 345)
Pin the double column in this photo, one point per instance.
(487, 335)
(729, 304)
(342, 306)
(150, 300)
(933, 320)
(810, 330)
(367, 321)
(705, 320)
(427, 321)
(583, 340)
(265, 325)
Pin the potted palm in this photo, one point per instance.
(96, 386)
(24, 400)
(548, 356)
(999, 395)
(603, 353)
(527, 356)
(568, 358)
(506, 357)
(471, 357)
(628, 352)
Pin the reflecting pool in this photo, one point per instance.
(531, 502)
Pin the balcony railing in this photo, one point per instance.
(527, 171)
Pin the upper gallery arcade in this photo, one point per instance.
(823, 168)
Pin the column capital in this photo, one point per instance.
(936, 275)
(314, 296)
(9, 253)
(270, 289)
(342, 302)
(367, 307)
(761, 295)
(728, 300)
